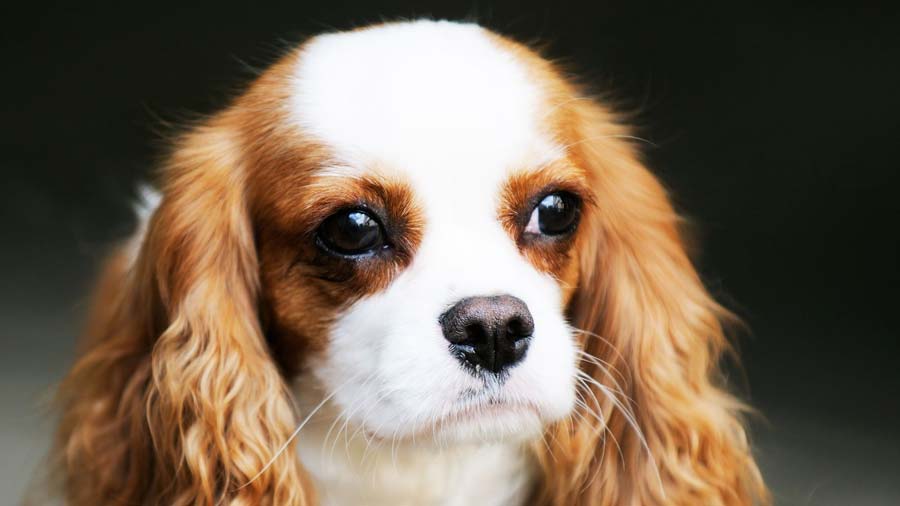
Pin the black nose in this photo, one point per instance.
(488, 332)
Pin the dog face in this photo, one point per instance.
(427, 227)
(449, 205)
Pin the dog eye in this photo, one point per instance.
(555, 214)
(351, 232)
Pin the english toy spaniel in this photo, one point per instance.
(413, 264)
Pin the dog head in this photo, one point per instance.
(427, 226)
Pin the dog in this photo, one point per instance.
(412, 264)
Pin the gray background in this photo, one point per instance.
(776, 128)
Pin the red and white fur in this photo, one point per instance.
(229, 361)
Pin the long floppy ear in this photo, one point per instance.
(655, 426)
(176, 399)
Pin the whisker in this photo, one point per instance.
(605, 366)
(342, 415)
(292, 436)
(606, 430)
(559, 105)
(345, 427)
(606, 341)
(603, 421)
(631, 420)
(609, 136)
(369, 440)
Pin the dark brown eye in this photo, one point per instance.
(351, 232)
(555, 214)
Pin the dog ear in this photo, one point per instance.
(656, 428)
(176, 399)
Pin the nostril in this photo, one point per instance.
(520, 325)
(475, 332)
(516, 328)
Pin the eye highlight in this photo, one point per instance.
(556, 214)
(351, 232)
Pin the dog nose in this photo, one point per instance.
(488, 332)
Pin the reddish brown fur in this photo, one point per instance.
(303, 288)
(177, 399)
(519, 196)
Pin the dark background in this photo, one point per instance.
(775, 127)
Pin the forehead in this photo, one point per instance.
(436, 99)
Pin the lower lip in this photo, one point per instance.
(479, 413)
(468, 416)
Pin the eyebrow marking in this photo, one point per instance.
(517, 199)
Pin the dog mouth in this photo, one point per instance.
(485, 416)
(486, 410)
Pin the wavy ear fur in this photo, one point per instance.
(175, 399)
(656, 427)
